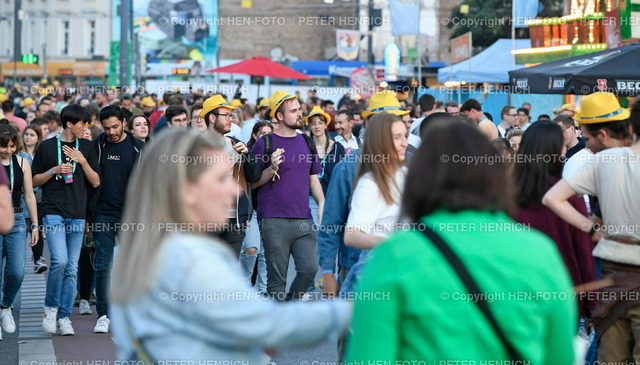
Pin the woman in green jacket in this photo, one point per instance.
(411, 305)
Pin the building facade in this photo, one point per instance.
(292, 30)
(68, 36)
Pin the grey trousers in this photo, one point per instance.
(282, 238)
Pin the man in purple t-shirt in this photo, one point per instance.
(6, 209)
(288, 176)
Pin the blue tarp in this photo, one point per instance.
(491, 65)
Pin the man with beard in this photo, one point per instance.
(216, 113)
(289, 166)
(344, 122)
(117, 152)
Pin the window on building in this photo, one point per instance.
(65, 26)
(92, 37)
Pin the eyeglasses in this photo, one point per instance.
(230, 115)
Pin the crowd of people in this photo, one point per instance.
(433, 231)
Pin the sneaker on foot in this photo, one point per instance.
(49, 320)
(102, 326)
(40, 266)
(6, 320)
(64, 327)
(85, 308)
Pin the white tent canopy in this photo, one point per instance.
(491, 65)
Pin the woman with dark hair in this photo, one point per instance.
(252, 248)
(196, 121)
(514, 137)
(504, 147)
(329, 152)
(31, 139)
(259, 129)
(13, 245)
(140, 127)
(426, 312)
(538, 168)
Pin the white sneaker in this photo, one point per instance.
(64, 327)
(6, 321)
(49, 320)
(85, 308)
(40, 266)
(102, 326)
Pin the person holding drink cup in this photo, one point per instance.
(66, 167)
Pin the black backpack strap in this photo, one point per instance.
(472, 288)
(268, 146)
(310, 144)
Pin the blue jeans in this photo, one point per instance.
(592, 351)
(13, 247)
(253, 240)
(64, 237)
(314, 210)
(104, 237)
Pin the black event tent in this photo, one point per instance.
(615, 70)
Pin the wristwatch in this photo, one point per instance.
(594, 228)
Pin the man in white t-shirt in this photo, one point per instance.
(343, 122)
(509, 115)
(612, 175)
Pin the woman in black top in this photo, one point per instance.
(329, 152)
(13, 244)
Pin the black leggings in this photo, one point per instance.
(39, 247)
(85, 272)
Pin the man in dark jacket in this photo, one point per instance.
(118, 153)
(216, 113)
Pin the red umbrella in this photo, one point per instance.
(261, 66)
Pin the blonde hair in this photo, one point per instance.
(378, 142)
(155, 197)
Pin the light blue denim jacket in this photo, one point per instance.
(201, 308)
(336, 211)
